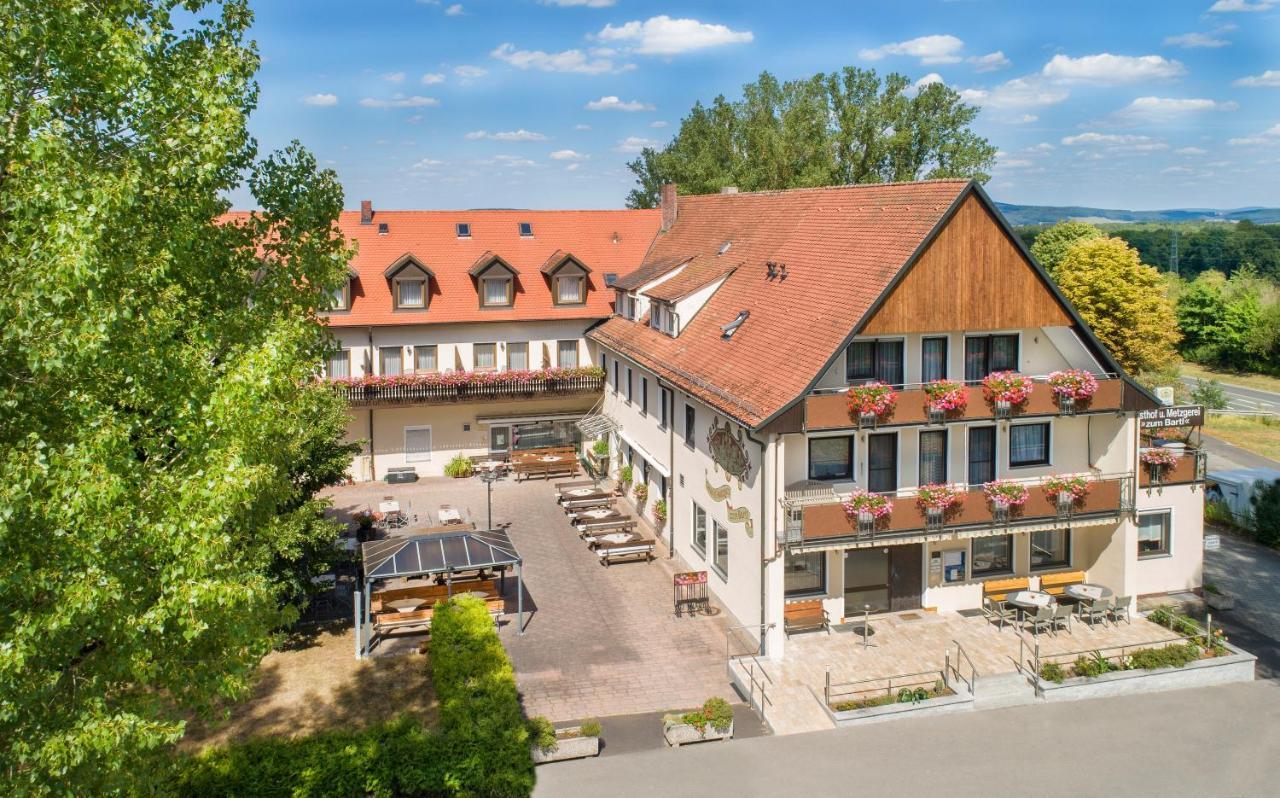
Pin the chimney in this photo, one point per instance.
(668, 205)
(366, 211)
(728, 189)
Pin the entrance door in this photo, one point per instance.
(866, 581)
(499, 439)
(906, 582)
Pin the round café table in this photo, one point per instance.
(1029, 600)
(1087, 592)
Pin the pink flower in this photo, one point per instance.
(1076, 384)
(1006, 386)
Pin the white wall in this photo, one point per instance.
(1183, 568)
(688, 307)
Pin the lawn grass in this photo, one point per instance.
(314, 683)
(1256, 435)
(1261, 382)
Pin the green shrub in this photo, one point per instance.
(542, 734)
(626, 475)
(1209, 394)
(1165, 657)
(715, 712)
(591, 728)
(1264, 516)
(601, 447)
(1217, 512)
(459, 466)
(1092, 665)
(1053, 672)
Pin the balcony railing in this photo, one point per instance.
(1188, 469)
(497, 388)
(815, 520)
(829, 408)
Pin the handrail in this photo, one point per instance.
(949, 668)
(917, 386)
(842, 687)
(749, 662)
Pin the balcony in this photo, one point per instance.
(1188, 469)
(468, 386)
(830, 409)
(823, 521)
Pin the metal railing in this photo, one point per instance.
(915, 386)
(953, 669)
(499, 389)
(1202, 636)
(748, 662)
(838, 692)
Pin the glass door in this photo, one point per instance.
(882, 462)
(982, 455)
(866, 581)
(499, 440)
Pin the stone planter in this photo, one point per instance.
(959, 701)
(677, 734)
(1219, 601)
(567, 748)
(1235, 666)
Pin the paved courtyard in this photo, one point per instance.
(915, 642)
(598, 641)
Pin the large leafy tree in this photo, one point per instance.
(846, 127)
(1051, 245)
(1123, 301)
(161, 433)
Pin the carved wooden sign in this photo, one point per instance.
(728, 452)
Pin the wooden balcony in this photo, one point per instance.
(1189, 469)
(499, 390)
(831, 410)
(826, 522)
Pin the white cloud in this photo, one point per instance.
(566, 61)
(1163, 109)
(432, 78)
(454, 10)
(1108, 69)
(469, 72)
(1226, 6)
(634, 144)
(1177, 170)
(1028, 92)
(573, 167)
(1190, 151)
(937, 49)
(427, 163)
(587, 3)
(506, 135)
(567, 155)
(1043, 146)
(1195, 40)
(1269, 80)
(508, 160)
(1012, 163)
(1116, 141)
(321, 100)
(582, 127)
(658, 123)
(989, 62)
(612, 103)
(400, 101)
(662, 35)
(1024, 119)
(1268, 136)
(932, 77)
(393, 77)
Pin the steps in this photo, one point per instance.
(1002, 690)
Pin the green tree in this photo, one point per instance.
(162, 434)
(1122, 300)
(828, 129)
(1264, 514)
(1200, 305)
(1051, 245)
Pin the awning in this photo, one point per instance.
(437, 554)
(650, 459)
(503, 420)
(840, 544)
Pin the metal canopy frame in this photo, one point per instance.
(426, 555)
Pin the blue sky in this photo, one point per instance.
(540, 103)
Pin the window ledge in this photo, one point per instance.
(1164, 555)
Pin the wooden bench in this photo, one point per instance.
(805, 616)
(430, 593)
(623, 523)
(390, 620)
(634, 550)
(999, 589)
(531, 468)
(1055, 584)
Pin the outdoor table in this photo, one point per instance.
(581, 491)
(599, 514)
(450, 516)
(389, 507)
(1029, 599)
(616, 538)
(405, 605)
(1087, 592)
(550, 458)
(491, 465)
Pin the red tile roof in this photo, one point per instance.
(701, 271)
(842, 247)
(431, 238)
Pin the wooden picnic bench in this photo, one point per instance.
(430, 593)
(532, 468)
(592, 502)
(1055, 584)
(805, 616)
(632, 549)
(388, 620)
(622, 523)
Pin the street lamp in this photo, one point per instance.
(489, 476)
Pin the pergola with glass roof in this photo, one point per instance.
(428, 555)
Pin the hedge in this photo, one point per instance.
(481, 748)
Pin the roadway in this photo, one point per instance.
(1249, 400)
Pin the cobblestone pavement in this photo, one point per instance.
(1250, 573)
(598, 641)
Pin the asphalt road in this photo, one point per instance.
(1245, 399)
(1219, 742)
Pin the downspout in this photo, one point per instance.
(764, 550)
(373, 467)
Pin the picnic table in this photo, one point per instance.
(1029, 599)
(1087, 592)
(449, 515)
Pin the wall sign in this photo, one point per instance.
(728, 452)
(1172, 416)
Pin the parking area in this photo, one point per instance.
(598, 641)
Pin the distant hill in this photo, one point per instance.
(1050, 214)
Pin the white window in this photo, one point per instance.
(340, 364)
(567, 354)
(417, 444)
(662, 317)
(569, 289)
(426, 358)
(720, 558)
(410, 293)
(699, 537)
(484, 356)
(1153, 533)
(389, 361)
(497, 291)
(518, 356)
(338, 300)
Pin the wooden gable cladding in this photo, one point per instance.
(970, 277)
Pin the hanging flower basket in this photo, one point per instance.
(1072, 387)
(944, 398)
(936, 500)
(868, 403)
(1006, 390)
(1066, 491)
(1004, 495)
(1157, 461)
(866, 508)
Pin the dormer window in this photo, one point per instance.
(526, 230)
(340, 298)
(495, 292)
(464, 230)
(567, 277)
(626, 305)
(495, 281)
(662, 317)
(410, 283)
(411, 293)
(570, 289)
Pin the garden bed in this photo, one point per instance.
(569, 742)
(1144, 671)
(891, 705)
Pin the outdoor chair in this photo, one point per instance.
(1000, 613)
(1044, 616)
(1062, 617)
(1120, 608)
(1095, 611)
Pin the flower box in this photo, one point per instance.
(866, 508)
(677, 733)
(868, 403)
(944, 397)
(1006, 390)
(935, 501)
(570, 744)
(1065, 491)
(1072, 387)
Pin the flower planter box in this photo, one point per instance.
(960, 701)
(1219, 601)
(677, 734)
(1235, 666)
(574, 747)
